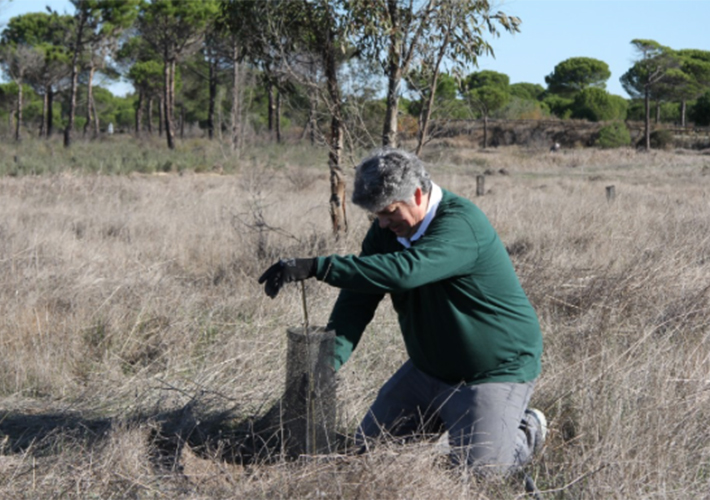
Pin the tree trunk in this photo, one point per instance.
(43, 123)
(312, 122)
(89, 100)
(18, 124)
(168, 102)
(182, 121)
(271, 106)
(647, 120)
(139, 113)
(277, 116)
(220, 121)
(212, 98)
(485, 130)
(150, 116)
(97, 125)
(389, 131)
(394, 77)
(683, 108)
(72, 105)
(161, 116)
(236, 102)
(313, 106)
(337, 179)
(50, 112)
(432, 95)
(68, 131)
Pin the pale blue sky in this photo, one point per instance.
(552, 31)
(555, 30)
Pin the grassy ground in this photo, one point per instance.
(135, 338)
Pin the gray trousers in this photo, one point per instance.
(488, 427)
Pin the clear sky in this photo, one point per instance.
(552, 31)
(555, 30)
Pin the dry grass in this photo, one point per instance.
(134, 336)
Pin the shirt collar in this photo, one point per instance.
(434, 200)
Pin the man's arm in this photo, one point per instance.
(450, 248)
(351, 314)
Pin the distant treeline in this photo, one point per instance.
(343, 73)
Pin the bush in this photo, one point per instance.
(660, 139)
(614, 135)
(561, 107)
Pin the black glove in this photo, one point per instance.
(286, 271)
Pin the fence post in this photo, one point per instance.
(610, 193)
(480, 185)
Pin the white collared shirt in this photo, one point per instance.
(434, 200)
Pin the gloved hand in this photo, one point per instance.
(286, 271)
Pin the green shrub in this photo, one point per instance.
(661, 139)
(614, 135)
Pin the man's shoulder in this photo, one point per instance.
(452, 202)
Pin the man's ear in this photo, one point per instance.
(418, 195)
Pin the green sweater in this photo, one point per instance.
(461, 309)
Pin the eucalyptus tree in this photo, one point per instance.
(404, 32)
(326, 24)
(442, 104)
(292, 37)
(576, 74)
(173, 28)
(646, 75)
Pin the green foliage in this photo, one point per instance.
(559, 106)
(445, 96)
(614, 135)
(486, 78)
(487, 99)
(700, 111)
(486, 91)
(576, 74)
(113, 109)
(669, 111)
(655, 60)
(595, 104)
(524, 90)
(147, 76)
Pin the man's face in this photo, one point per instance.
(403, 218)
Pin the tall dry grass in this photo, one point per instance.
(131, 315)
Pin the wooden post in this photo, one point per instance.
(480, 185)
(610, 193)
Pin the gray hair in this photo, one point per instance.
(389, 175)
